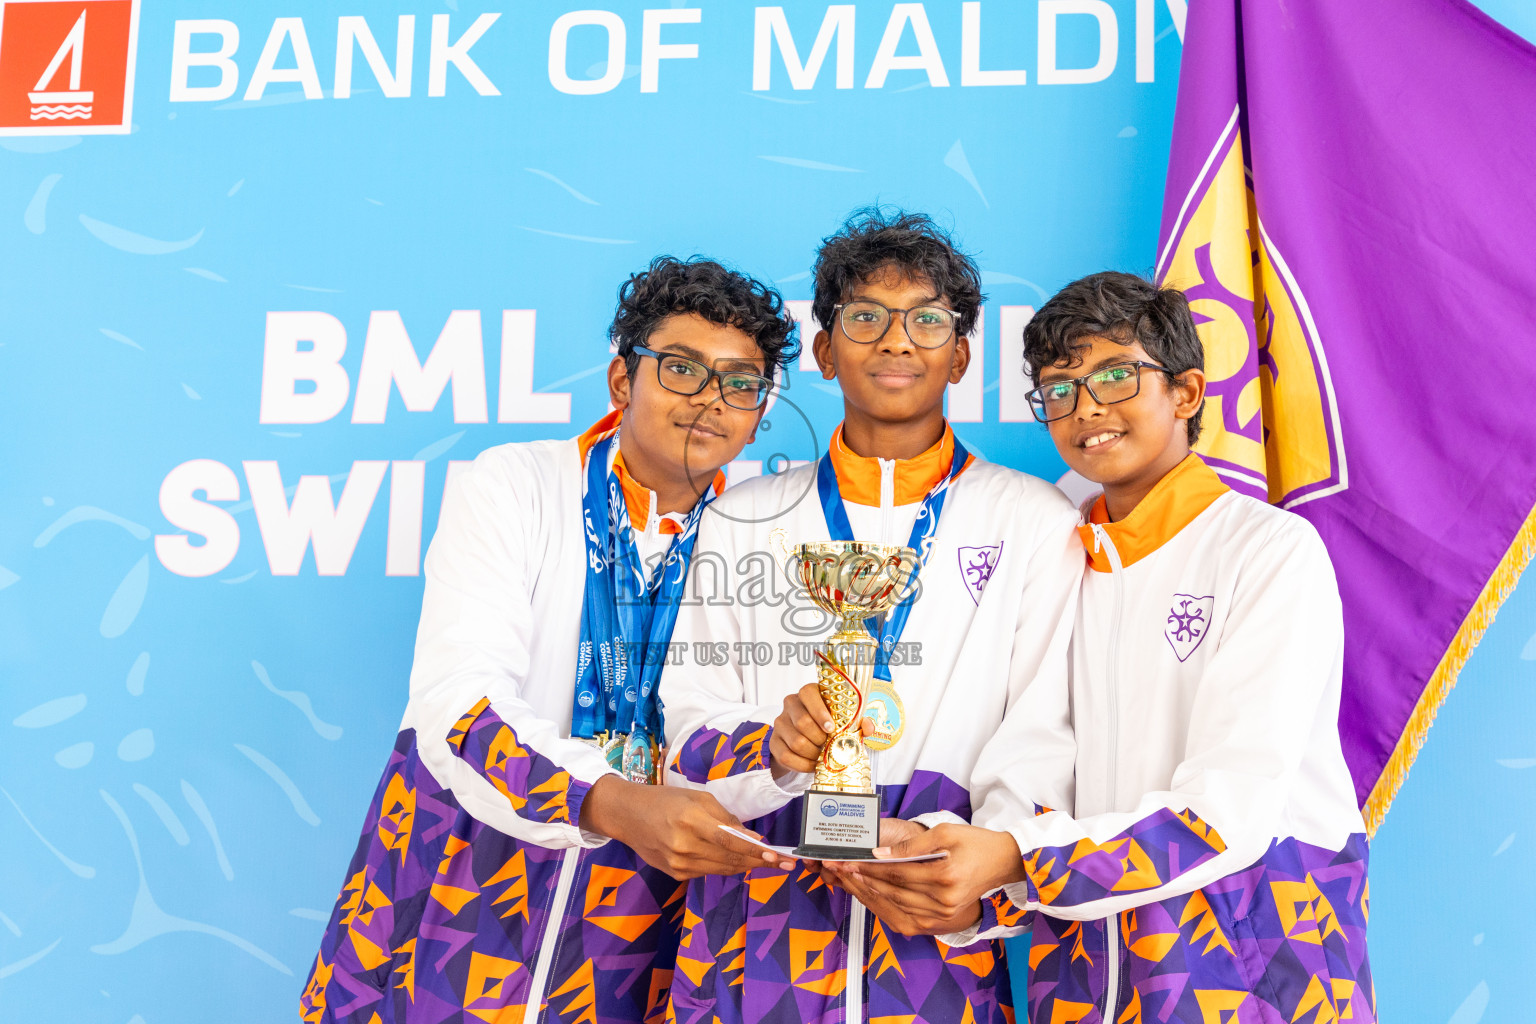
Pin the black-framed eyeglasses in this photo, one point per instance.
(867, 321)
(684, 376)
(1117, 382)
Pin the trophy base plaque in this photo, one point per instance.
(839, 826)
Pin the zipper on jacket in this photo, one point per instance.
(887, 498)
(853, 984)
(1112, 704)
(547, 948)
(652, 519)
(1112, 966)
(1112, 676)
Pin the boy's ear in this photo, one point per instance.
(1188, 394)
(619, 395)
(821, 348)
(960, 361)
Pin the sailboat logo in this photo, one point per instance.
(66, 66)
(52, 106)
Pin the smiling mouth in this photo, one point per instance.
(1098, 442)
(700, 430)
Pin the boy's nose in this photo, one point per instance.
(1087, 406)
(896, 337)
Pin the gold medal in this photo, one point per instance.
(884, 708)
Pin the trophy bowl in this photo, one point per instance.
(853, 580)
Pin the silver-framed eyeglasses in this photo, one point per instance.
(1117, 382)
(867, 321)
(684, 376)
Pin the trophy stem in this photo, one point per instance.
(843, 682)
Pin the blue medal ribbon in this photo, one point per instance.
(626, 620)
(923, 529)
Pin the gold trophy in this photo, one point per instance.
(852, 581)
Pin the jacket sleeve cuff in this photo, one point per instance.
(708, 755)
(590, 840)
(931, 818)
(1001, 918)
(735, 769)
(538, 789)
(758, 793)
(793, 784)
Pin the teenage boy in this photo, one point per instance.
(485, 885)
(1180, 817)
(999, 574)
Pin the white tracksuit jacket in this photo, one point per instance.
(1188, 824)
(473, 891)
(993, 619)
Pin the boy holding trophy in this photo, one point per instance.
(484, 885)
(908, 539)
(1176, 827)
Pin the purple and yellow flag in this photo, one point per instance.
(1351, 207)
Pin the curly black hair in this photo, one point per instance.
(670, 286)
(1125, 309)
(877, 237)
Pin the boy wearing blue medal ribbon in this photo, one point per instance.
(485, 885)
(1176, 828)
(998, 577)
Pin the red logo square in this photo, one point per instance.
(66, 66)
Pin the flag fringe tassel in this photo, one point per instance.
(1500, 585)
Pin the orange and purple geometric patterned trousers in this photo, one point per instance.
(1279, 942)
(772, 947)
(442, 918)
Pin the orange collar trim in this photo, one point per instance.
(858, 476)
(1186, 491)
(638, 498)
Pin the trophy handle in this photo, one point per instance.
(910, 584)
(778, 538)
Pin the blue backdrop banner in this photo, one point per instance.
(269, 273)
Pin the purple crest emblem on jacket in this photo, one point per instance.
(977, 565)
(1188, 619)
